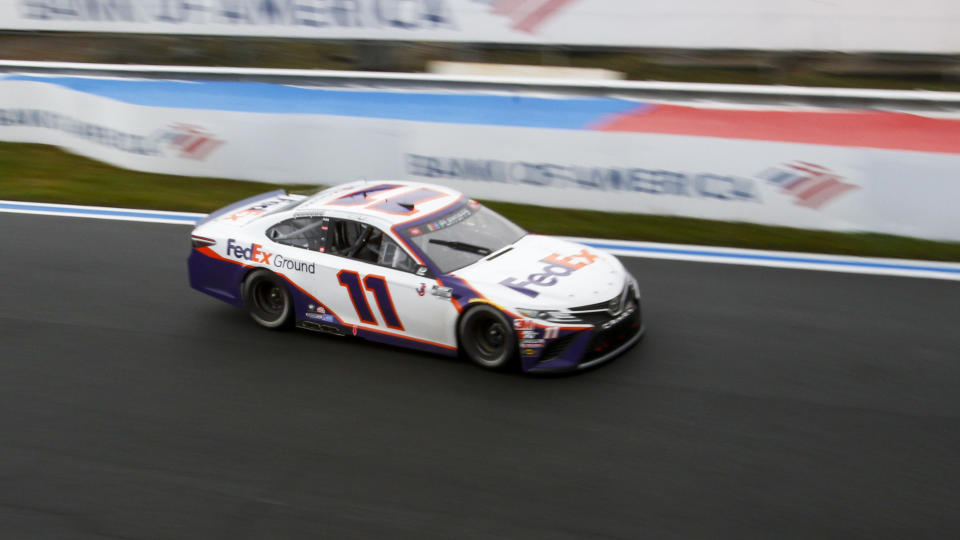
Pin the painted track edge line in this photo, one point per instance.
(651, 250)
(817, 266)
(734, 252)
(166, 221)
(100, 212)
(778, 259)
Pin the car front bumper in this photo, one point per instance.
(584, 349)
(610, 355)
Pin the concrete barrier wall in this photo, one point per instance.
(836, 169)
(924, 26)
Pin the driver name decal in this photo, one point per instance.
(556, 267)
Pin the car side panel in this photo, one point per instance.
(320, 284)
(402, 307)
(212, 274)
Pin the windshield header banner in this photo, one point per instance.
(852, 25)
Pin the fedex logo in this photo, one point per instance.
(556, 267)
(252, 253)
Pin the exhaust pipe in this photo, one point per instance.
(322, 328)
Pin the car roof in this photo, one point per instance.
(386, 201)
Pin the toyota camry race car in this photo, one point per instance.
(421, 266)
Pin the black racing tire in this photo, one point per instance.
(267, 299)
(487, 338)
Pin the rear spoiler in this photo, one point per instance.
(241, 204)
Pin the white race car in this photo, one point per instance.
(421, 266)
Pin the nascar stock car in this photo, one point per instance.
(421, 266)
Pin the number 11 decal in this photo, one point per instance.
(378, 286)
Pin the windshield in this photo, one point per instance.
(463, 236)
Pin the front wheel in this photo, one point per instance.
(487, 338)
(267, 299)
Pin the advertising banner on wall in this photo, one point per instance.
(851, 25)
(569, 153)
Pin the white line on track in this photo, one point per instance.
(100, 212)
(650, 250)
(779, 259)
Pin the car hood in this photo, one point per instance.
(544, 272)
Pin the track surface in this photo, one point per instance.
(763, 403)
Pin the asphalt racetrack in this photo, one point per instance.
(763, 403)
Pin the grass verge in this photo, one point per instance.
(32, 172)
(796, 68)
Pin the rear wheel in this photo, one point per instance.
(267, 299)
(487, 338)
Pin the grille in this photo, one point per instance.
(606, 340)
(556, 347)
(601, 311)
(599, 306)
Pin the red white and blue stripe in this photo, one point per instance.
(840, 128)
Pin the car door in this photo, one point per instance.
(382, 288)
(301, 244)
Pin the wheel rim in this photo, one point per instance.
(269, 299)
(489, 339)
(490, 336)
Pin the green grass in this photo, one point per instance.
(30, 172)
(803, 68)
(33, 172)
